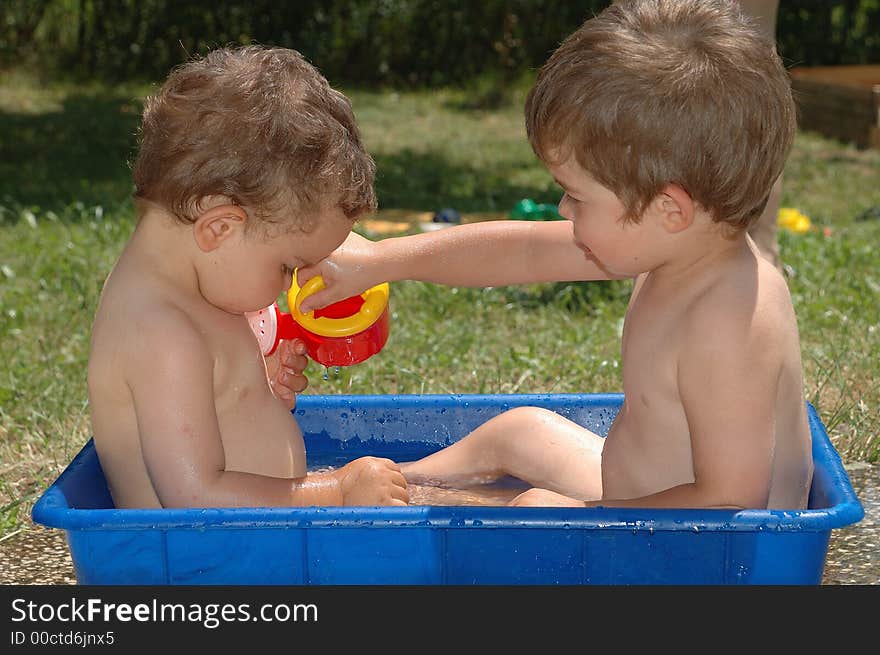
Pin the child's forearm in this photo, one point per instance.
(237, 489)
(488, 254)
(492, 253)
(683, 496)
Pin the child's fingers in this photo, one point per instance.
(293, 347)
(300, 347)
(292, 379)
(390, 463)
(318, 300)
(296, 382)
(398, 479)
(292, 355)
(305, 274)
(400, 494)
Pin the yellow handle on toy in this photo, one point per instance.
(375, 302)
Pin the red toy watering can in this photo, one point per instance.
(347, 332)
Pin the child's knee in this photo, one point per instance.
(517, 425)
(528, 417)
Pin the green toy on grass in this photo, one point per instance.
(529, 210)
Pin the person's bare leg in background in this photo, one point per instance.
(763, 232)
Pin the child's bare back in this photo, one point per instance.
(701, 352)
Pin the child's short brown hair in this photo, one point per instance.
(652, 92)
(258, 125)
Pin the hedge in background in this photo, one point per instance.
(369, 42)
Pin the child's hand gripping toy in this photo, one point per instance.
(347, 332)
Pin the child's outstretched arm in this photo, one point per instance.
(487, 254)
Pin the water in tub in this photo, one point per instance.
(498, 492)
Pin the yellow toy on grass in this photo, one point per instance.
(793, 220)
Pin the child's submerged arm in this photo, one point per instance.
(172, 386)
(683, 496)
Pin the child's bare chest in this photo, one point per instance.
(259, 433)
(649, 349)
(648, 446)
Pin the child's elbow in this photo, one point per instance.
(196, 491)
(739, 497)
(744, 499)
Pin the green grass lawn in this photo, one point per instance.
(65, 214)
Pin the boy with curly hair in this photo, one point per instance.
(250, 165)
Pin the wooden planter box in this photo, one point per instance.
(842, 102)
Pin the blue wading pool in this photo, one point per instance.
(442, 544)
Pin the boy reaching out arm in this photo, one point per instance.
(249, 166)
(665, 123)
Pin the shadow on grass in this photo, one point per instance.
(81, 153)
(77, 153)
(427, 181)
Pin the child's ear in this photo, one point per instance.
(215, 225)
(675, 207)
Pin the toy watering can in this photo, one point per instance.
(347, 332)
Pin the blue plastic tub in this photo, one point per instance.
(436, 544)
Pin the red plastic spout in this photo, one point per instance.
(287, 327)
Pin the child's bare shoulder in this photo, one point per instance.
(746, 308)
(142, 335)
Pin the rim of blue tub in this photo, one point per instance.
(53, 510)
